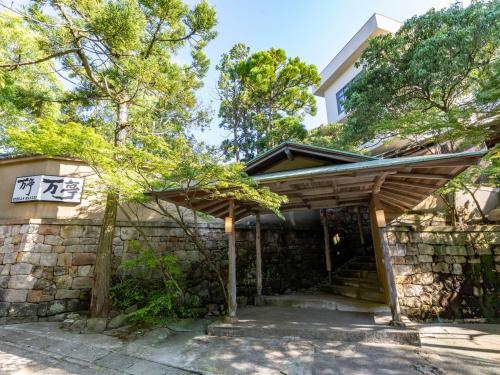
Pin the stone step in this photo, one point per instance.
(357, 282)
(312, 324)
(360, 266)
(360, 274)
(354, 292)
(325, 301)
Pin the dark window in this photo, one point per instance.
(341, 95)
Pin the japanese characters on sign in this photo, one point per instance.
(48, 188)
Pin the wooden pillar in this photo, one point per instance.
(326, 236)
(381, 245)
(360, 229)
(258, 254)
(231, 287)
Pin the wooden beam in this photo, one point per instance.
(258, 254)
(413, 185)
(404, 192)
(231, 287)
(400, 197)
(424, 176)
(382, 244)
(378, 183)
(324, 222)
(396, 202)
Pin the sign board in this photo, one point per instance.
(48, 189)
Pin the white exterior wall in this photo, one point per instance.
(331, 94)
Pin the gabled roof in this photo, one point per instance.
(399, 184)
(310, 156)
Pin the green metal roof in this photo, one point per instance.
(311, 147)
(370, 164)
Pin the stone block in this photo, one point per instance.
(96, 325)
(69, 231)
(23, 309)
(4, 282)
(5, 270)
(67, 294)
(48, 259)
(63, 282)
(426, 278)
(64, 259)
(441, 267)
(398, 250)
(21, 269)
(425, 258)
(55, 307)
(7, 248)
(85, 271)
(28, 257)
(10, 258)
(53, 240)
(117, 321)
(456, 269)
(29, 228)
(42, 248)
(49, 229)
(88, 241)
(82, 259)
(75, 248)
(455, 250)
(91, 231)
(81, 282)
(33, 238)
(15, 295)
(4, 309)
(412, 290)
(22, 282)
(129, 233)
(452, 259)
(34, 296)
(403, 270)
(59, 249)
(71, 241)
(425, 249)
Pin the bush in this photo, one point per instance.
(153, 282)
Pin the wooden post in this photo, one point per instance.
(258, 254)
(326, 236)
(377, 215)
(231, 287)
(360, 226)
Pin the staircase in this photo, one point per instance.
(357, 279)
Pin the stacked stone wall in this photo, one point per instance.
(47, 269)
(447, 272)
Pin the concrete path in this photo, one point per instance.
(43, 348)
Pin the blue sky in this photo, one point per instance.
(314, 30)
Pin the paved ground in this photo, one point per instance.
(43, 348)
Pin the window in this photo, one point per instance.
(340, 98)
(340, 95)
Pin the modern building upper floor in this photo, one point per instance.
(341, 71)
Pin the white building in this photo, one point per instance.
(341, 70)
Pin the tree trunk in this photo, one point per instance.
(99, 305)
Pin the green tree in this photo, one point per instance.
(279, 93)
(421, 83)
(327, 135)
(118, 56)
(158, 164)
(235, 109)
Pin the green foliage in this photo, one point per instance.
(328, 135)
(422, 83)
(264, 97)
(151, 281)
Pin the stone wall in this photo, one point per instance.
(447, 272)
(47, 269)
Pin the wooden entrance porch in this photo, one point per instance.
(318, 178)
